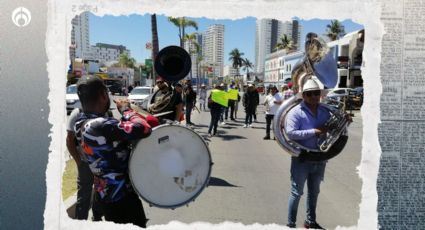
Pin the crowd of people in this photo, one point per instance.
(101, 144)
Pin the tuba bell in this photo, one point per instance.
(319, 64)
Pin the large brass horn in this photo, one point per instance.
(317, 64)
(173, 63)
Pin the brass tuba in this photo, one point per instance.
(172, 63)
(319, 64)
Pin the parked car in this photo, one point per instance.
(139, 94)
(353, 98)
(72, 100)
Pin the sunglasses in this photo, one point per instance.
(311, 93)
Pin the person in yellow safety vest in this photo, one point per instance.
(216, 104)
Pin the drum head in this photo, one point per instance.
(171, 167)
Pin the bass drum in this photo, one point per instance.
(171, 167)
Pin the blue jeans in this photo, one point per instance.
(313, 173)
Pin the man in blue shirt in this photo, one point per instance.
(304, 124)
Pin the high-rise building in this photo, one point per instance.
(80, 37)
(268, 33)
(213, 48)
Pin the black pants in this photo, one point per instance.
(248, 117)
(215, 116)
(232, 109)
(269, 118)
(84, 194)
(127, 210)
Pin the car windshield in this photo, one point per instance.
(72, 89)
(141, 91)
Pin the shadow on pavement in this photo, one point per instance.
(214, 181)
(230, 137)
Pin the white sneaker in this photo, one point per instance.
(250, 125)
(245, 126)
(223, 123)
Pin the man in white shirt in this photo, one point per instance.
(272, 103)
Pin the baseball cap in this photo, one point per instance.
(88, 87)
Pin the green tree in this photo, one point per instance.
(236, 59)
(247, 65)
(284, 43)
(191, 38)
(126, 61)
(182, 23)
(334, 30)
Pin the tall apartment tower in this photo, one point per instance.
(80, 37)
(213, 48)
(267, 35)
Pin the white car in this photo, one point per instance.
(139, 94)
(72, 100)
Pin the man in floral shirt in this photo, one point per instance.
(105, 142)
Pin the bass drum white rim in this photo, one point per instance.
(177, 204)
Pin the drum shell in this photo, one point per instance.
(172, 177)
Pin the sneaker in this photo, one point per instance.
(266, 138)
(312, 225)
(210, 135)
(291, 225)
(245, 126)
(223, 123)
(250, 125)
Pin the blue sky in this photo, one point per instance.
(135, 30)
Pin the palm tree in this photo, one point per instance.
(285, 43)
(247, 65)
(182, 23)
(236, 58)
(191, 38)
(334, 30)
(126, 61)
(155, 44)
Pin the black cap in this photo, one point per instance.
(89, 86)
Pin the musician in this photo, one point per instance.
(304, 124)
(105, 142)
(176, 102)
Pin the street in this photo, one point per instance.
(250, 179)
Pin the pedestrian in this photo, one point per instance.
(232, 103)
(256, 103)
(304, 124)
(237, 104)
(202, 97)
(190, 103)
(224, 110)
(130, 88)
(272, 103)
(106, 142)
(215, 111)
(249, 101)
(287, 92)
(84, 175)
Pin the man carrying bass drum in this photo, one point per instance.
(105, 142)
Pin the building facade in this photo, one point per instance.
(268, 33)
(279, 66)
(347, 52)
(80, 37)
(213, 49)
(108, 53)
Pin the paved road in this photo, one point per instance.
(250, 180)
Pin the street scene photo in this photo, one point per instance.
(194, 119)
